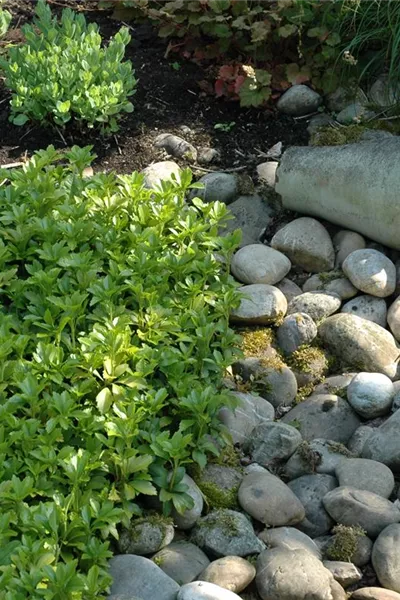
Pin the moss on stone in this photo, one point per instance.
(304, 392)
(328, 276)
(228, 457)
(344, 543)
(301, 359)
(225, 522)
(310, 457)
(255, 340)
(158, 560)
(217, 497)
(339, 448)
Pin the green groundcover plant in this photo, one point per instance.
(5, 20)
(114, 338)
(62, 72)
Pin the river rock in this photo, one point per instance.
(266, 173)
(218, 186)
(203, 590)
(160, 171)
(316, 456)
(350, 506)
(182, 561)
(374, 593)
(360, 555)
(359, 439)
(371, 272)
(260, 304)
(145, 536)
(257, 263)
(334, 283)
(317, 305)
(299, 100)
(335, 384)
(342, 96)
(290, 289)
(345, 242)
(319, 121)
(176, 146)
(393, 318)
(266, 498)
(325, 415)
(365, 474)
(296, 330)
(360, 343)
(367, 307)
(250, 412)
(310, 490)
(354, 113)
(371, 394)
(289, 538)
(232, 573)
(383, 93)
(139, 578)
(386, 557)
(383, 444)
(188, 518)
(226, 532)
(307, 244)
(344, 573)
(251, 215)
(272, 443)
(220, 483)
(276, 383)
(295, 575)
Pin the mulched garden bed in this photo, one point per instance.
(167, 98)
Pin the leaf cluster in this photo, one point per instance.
(63, 72)
(5, 20)
(114, 339)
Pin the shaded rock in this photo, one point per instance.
(266, 172)
(310, 490)
(359, 439)
(317, 305)
(386, 557)
(218, 186)
(350, 506)
(296, 330)
(344, 573)
(299, 100)
(160, 171)
(232, 573)
(202, 590)
(266, 498)
(335, 384)
(334, 283)
(176, 146)
(383, 93)
(295, 575)
(345, 242)
(289, 538)
(257, 263)
(224, 533)
(383, 444)
(146, 536)
(319, 121)
(316, 456)
(374, 593)
(393, 318)
(261, 304)
(371, 272)
(360, 344)
(289, 289)
(354, 113)
(309, 365)
(182, 561)
(325, 415)
(188, 518)
(205, 156)
(343, 96)
(272, 442)
(277, 384)
(251, 215)
(220, 485)
(139, 578)
(367, 307)
(251, 411)
(306, 243)
(371, 394)
(365, 474)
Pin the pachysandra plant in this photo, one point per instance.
(62, 72)
(114, 339)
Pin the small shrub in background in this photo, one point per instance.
(5, 20)
(61, 73)
(114, 339)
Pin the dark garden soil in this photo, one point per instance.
(168, 97)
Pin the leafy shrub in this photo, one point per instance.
(62, 72)
(5, 20)
(114, 338)
(272, 44)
